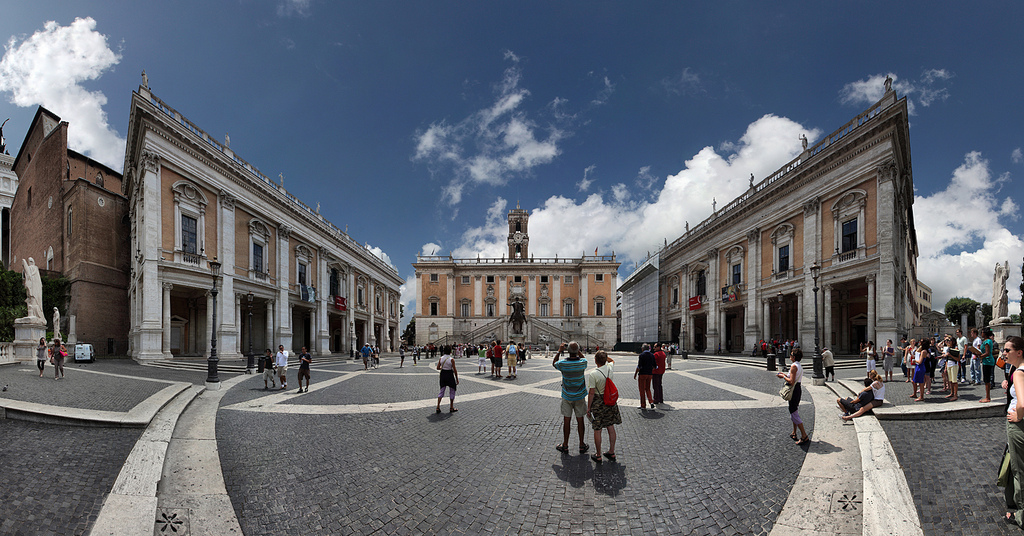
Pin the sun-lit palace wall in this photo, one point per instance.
(288, 275)
(744, 274)
(472, 300)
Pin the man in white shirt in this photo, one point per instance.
(976, 358)
(961, 346)
(282, 365)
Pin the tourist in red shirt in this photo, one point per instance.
(659, 373)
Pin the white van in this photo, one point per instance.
(83, 352)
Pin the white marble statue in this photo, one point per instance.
(33, 290)
(1000, 305)
(56, 324)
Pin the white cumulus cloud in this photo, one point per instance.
(48, 69)
(961, 236)
(492, 145)
(927, 89)
(632, 221)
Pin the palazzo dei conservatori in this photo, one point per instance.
(518, 297)
(842, 207)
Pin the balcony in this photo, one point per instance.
(846, 256)
(256, 275)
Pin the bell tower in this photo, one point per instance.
(518, 236)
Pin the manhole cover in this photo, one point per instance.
(845, 502)
(172, 521)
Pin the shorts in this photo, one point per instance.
(988, 373)
(281, 370)
(952, 370)
(304, 373)
(577, 407)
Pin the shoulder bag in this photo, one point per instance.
(786, 392)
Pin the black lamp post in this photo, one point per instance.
(211, 376)
(778, 343)
(819, 374)
(250, 362)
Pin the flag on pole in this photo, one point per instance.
(595, 251)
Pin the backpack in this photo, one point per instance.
(611, 393)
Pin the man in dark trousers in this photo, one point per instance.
(304, 360)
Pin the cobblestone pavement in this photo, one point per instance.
(82, 388)
(53, 479)
(492, 468)
(951, 467)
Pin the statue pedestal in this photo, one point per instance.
(27, 332)
(1003, 330)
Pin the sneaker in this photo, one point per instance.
(300, 389)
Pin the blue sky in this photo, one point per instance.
(419, 124)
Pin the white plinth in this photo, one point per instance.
(1003, 330)
(27, 332)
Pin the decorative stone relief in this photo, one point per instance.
(150, 161)
(284, 231)
(228, 200)
(812, 205)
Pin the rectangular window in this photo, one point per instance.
(518, 279)
(568, 308)
(465, 280)
(335, 282)
(465, 310)
(599, 278)
(359, 296)
(736, 274)
(675, 296)
(490, 309)
(543, 279)
(849, 236)
(433, 278)
(544, 310)
(702, 284)
(599, 309)
(490, 279)
(69, 221)
(302, 273)
(568, 280)
(784, 258)
(257, 258)
(189, 238)
(433, 308)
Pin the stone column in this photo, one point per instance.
(149, 344)
(166, 348)
(752, 262)
(209, 324)
(283, 316)
(584, 294)
(271, 341)
(713, 334)
(227, 311)
(826, 317)
(885, 326)
(478, 297)
(766, 328)
(871, 308)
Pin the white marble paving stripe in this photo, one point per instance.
(274, 403)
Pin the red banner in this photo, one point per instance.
(694, 303)
(340, 303)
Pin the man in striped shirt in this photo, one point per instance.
(574, 392)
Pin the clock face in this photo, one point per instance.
(518, 238)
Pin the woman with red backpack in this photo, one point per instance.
(602, 404)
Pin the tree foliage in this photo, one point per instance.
(12, 300)
(957, 306)
(410, 332)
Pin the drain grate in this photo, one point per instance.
(845, 502)
(172, 521)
